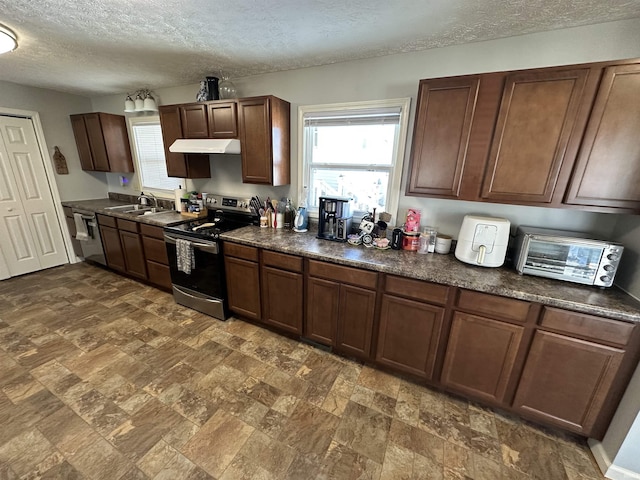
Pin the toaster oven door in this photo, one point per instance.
(572, 261)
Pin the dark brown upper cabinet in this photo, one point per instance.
(223, 119)
(533, 137)
(607, 172)
(260, 123)
(441, 135)
(263, 124)
(194, 121)
(179, 164)
(539, 113)
(102, 141)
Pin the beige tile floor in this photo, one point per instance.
(102, 377)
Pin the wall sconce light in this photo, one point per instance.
(143, 102)
(8, 40)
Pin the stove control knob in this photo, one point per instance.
(609, 268)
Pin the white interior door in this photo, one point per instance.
(31, 238)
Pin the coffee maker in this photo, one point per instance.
(334, 218)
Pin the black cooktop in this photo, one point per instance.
(211, 227)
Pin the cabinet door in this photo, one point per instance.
(180, 165)
(171, 131)
(480, 356)
(322, 310)
(408, 337)
(539, 112)
(112, 248)
(355, 320)
(565, 381)
(116, 141)
(223, 120)
(159, 274)
(441, 135)
(282, 293)
(243, 287)
(194, 121)
(96, 142)
(607, 172)
(255, 140)
(133, 254)
(82, 142)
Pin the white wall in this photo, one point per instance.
(54, 109)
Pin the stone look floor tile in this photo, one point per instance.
(102, 377)
(217, 442)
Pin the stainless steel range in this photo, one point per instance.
(195, 255)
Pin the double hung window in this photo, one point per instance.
(149, 155)
(354, 150)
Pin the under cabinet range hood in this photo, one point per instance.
(205, 145)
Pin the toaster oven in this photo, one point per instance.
(564, 255)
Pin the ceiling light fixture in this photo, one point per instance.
(144, 102)
(8, 40)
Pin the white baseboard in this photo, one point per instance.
(610, 471)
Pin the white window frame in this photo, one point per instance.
(395, 177)
(158, 192)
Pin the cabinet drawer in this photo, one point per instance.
(241, 251)
(155, 250)
(282, 260)
(416, 289)
(159, 275)
(106, 221)
(152, 231)
(493, 305)
(587, 326)
(354, 276)
(127, 225)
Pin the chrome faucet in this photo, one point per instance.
(149, 196)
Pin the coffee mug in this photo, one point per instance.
(443, 244)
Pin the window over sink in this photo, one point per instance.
(353, 149)
(148, 153)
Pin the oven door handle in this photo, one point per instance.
(205, 247)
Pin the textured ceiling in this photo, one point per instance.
(94, 47)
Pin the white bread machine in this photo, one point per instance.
(483, 241)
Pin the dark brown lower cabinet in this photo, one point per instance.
(355, 321)
(112, 248)
(566, 380)
(282, 291)
(132, 248)
(409, 335)
(341, 307)
(133, 254)
(155, 253)
(321, 323)
(243, 280)
(480, 356)
(123, 247)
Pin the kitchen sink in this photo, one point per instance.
(137, 210)
(124, 208)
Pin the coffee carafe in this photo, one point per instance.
(334, 218)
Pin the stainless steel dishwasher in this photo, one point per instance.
(88, 234)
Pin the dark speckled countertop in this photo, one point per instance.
(446, 269)
(99, 205)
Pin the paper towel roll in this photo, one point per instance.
(179, 194)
